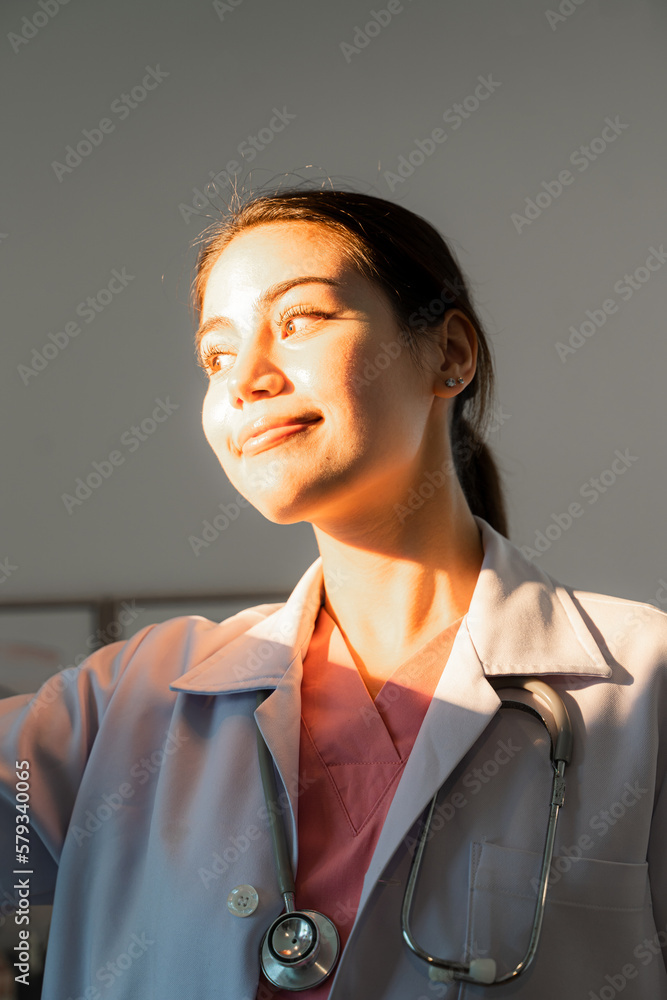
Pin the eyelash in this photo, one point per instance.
(214, 351)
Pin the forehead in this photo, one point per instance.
(273, 252)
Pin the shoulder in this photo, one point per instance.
(631, 632)
(620, 618)
(160, 653)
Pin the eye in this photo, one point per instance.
(288, 316)
(206, 359)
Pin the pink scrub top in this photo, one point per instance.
(352, 752)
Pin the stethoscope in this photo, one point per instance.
(301, 947)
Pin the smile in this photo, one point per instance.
(274, 436)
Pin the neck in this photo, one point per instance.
(390, 590)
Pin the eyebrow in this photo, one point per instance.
(270, 294)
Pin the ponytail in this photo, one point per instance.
(478, 475)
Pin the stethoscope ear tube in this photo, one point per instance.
(533, 695)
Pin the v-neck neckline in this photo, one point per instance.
(361, 742)
(407, 690)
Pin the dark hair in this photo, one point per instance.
(409, 260)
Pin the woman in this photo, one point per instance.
(349, 385)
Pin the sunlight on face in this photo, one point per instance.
(323, 359)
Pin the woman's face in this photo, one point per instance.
(322, 358)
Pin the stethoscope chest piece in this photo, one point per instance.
(299, 950)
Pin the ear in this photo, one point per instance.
(456, 353)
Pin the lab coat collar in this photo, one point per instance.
(520, 621)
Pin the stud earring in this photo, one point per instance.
(450, 382)
(461, 380)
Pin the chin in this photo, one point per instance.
(287, 513)
(285, 503)
(281, 518)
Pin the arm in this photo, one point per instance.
(50, 734)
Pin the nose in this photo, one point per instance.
(255, 374)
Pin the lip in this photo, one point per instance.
(265, 430)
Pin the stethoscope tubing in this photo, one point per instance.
(278, 836)
(313, 955)
(538, 698)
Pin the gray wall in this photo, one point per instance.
(555, 79)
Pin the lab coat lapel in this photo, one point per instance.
(269, 655)
(523, 621)
(462, 706)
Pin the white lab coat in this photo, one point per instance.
(147, 807)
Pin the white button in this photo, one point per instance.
(242, 901)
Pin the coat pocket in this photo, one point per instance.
(597, 916)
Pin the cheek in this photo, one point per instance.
(377, 384)
(215, 421)
(358, 377)
(390, 408)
